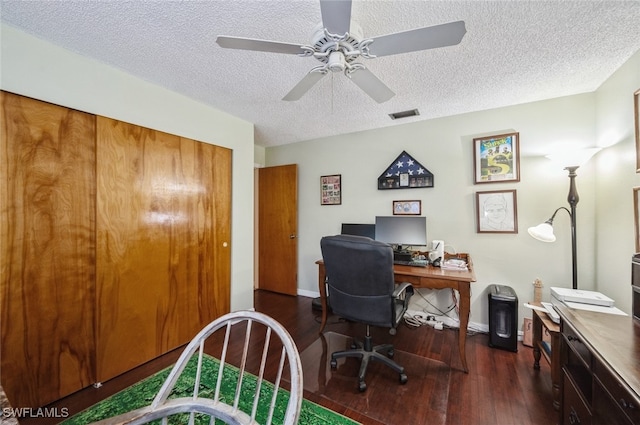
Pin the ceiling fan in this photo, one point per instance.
(337, 42)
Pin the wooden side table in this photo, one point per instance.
(551, 354)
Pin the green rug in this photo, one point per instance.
(142, 394)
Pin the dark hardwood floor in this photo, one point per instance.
(501, 388)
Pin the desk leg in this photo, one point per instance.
(465, 307)
(323, 294)
(555, 369)
(537, 338)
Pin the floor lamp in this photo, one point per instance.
(544, 232)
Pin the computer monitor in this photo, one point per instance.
(402, 230)
(357, 229)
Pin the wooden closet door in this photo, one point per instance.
(47, 250)
(163, 238)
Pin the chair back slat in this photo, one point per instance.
(243, 363)
(263, 362)
(277, 386)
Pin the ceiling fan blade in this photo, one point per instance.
(242, 43)
(419, 39)
(336, 15)
(304, 85)
(371, 85)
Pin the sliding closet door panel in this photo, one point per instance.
(47, 250)
(163, 256)
(218, 259)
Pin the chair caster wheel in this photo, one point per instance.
(403, 378)
(334, 364)
(390, 353)
(362, 386)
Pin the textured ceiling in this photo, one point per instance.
(514, 52)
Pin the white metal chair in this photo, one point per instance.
(213, 408)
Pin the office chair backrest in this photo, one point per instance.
(360, 279)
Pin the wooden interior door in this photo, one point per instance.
(47, 250)
(278, 229)
(163, 242)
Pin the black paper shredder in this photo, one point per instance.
(503, 318)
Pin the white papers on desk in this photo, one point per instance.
(596, 308)
(581, 296)
(454, 264)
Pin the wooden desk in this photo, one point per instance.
(424, 277)
(542, 321)
(600, 360)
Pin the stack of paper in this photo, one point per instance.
(584, 300)
(454, 264)
(581, 296)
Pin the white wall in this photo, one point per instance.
(616, 178)
(444, 146)
(259, 155)
(38, 69)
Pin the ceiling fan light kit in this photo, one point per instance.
(337, 42)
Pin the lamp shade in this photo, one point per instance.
(543, 232)
(573, 157)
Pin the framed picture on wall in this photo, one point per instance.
(407, 207)
(331, 190)
(636, 216)
(496, 159)
(636, 115)
(497, 211)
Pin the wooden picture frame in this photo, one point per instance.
(636, 216)
(407, 207)
(331, 190)
(636, 118)
(496, 159)
(497, 211)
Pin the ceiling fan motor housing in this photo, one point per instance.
(334, 51)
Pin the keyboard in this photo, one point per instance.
(418, 263)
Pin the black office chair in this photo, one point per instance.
(362, 289)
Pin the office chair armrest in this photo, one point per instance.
(402, 293)
(401, 288)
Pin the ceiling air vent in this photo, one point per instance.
(404, 114)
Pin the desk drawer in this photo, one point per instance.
(400, 278)
(574, 407)
(424, 282)
(620, 394)
(575, 344)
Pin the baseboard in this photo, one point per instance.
(308, 294)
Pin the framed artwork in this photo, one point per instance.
(407, 207)
(636, 216)
(497, 211)
(496, 159)
(331, 190)
(636, 115)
